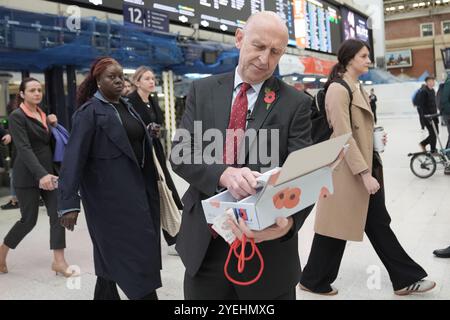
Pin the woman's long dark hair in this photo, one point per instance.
(347, 51)
(89, 86)
(22, 87)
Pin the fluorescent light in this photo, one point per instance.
(323, 80)
(161, 95)
(197, 75)
(129, 71)
(369, 82)
(392, 8)
(294, 78)
(401, 7)
(415, 5)
(204, 23)
(308, 79)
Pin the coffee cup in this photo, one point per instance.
(378, 135)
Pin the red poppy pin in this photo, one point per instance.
(269, 98)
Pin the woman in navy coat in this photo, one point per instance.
(109, 160)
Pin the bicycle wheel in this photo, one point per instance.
(423, 165)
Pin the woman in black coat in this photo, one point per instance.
(109, 159)
(34, 174)
(150, 112)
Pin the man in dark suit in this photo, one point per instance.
(253, 97)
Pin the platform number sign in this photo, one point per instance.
(145, 18)
(134, 15)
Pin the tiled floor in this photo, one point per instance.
(420, 211)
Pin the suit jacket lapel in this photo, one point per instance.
(221, 103)
(261, 110)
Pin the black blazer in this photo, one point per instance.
(33, 142)
(209, 101)
(141, 108)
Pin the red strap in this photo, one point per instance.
(242, 259)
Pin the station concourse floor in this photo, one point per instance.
(420, 211)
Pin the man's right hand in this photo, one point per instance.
(69, 220)
(241, 182)
(47, 182)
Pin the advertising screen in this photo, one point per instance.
(354, 25)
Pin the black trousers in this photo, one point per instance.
(431, 139)
(421, 118)
(29, 209)
(326, 252)
(210, 282)
(107, 290)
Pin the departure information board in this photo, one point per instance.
(313, 24)
(224, 15)
(317, 25)
(219, 15)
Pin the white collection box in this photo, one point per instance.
(305, 176)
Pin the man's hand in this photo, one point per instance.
(275, 231)
(69, 220)
(6, 139)
(241, 182)
(48, 182)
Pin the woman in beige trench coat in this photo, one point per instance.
(358, 203)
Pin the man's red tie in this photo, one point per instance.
(238, 119)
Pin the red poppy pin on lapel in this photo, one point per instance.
(269, 98)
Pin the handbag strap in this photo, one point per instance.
(158, 166)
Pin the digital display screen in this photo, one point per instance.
(223, 15)
(317, 25)
(354, 25)
(219, 15)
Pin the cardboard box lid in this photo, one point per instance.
(314, 157)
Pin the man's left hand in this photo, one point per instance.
(275, 231)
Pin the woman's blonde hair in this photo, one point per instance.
(139, 73)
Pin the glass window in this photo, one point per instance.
(446, 27)
(427, 29)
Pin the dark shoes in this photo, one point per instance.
(447, 170)
(10, 205)
(442, 253)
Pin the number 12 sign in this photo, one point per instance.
(134, 15)
(145, 18)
